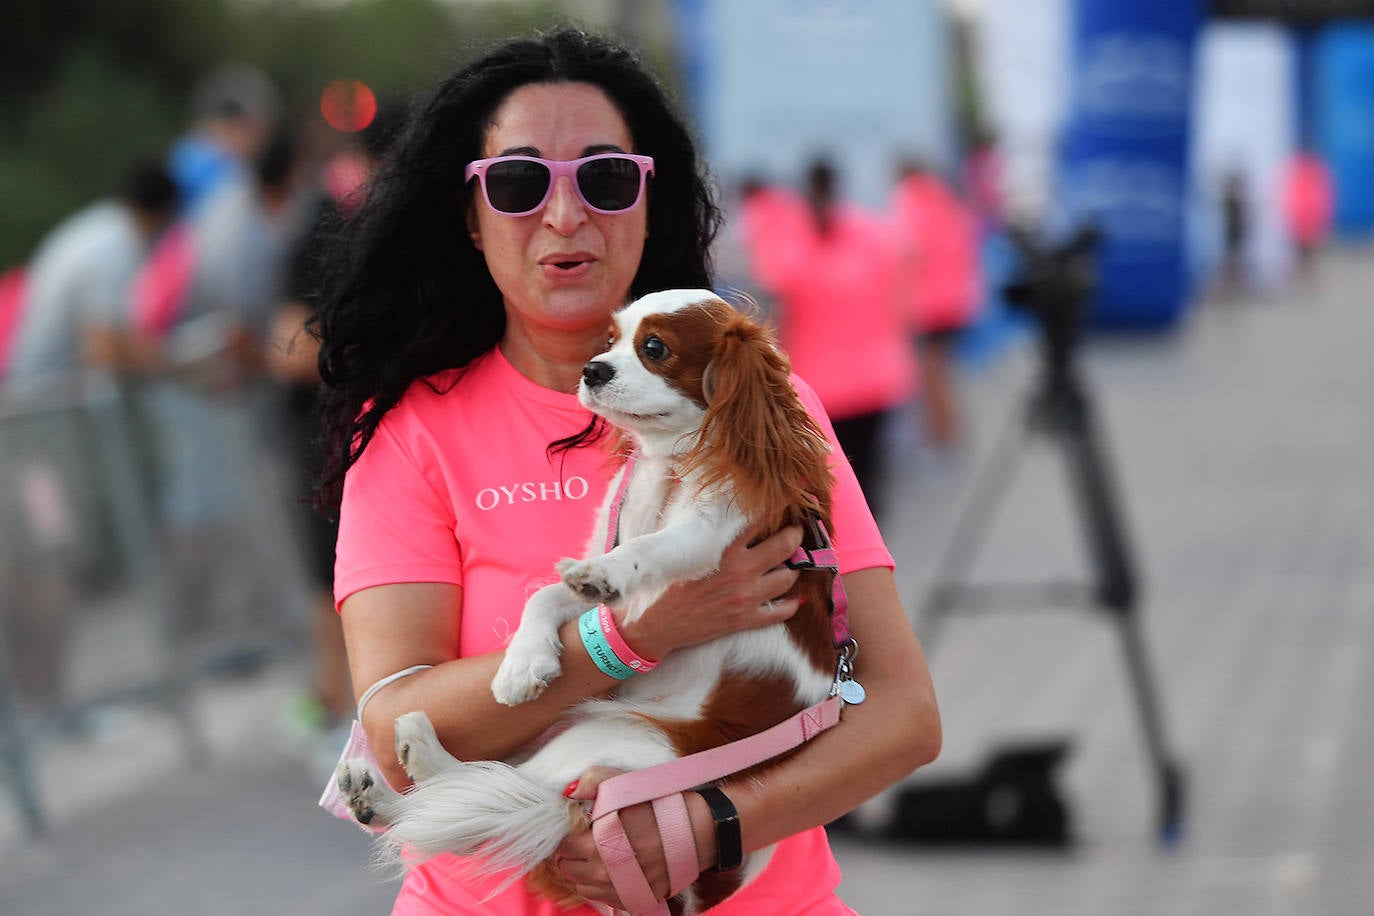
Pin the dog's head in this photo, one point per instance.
(688, 374)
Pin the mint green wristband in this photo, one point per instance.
(589, 627)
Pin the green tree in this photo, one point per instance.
(88, 86)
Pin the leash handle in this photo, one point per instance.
(626, 875)
(663, 784)
(714, 763)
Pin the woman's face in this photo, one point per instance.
(565, 267)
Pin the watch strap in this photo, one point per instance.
(729, 846)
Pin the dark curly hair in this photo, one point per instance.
(408, 295)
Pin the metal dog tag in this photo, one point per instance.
(852, 692)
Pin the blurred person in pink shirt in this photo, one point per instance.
(1308, 201)
(832, 270)
(12, 284)
(941, 283)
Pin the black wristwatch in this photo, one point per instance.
(729, 847)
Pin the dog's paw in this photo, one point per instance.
(524, 674)
(366, 793)
(418, 748)
(593, 579)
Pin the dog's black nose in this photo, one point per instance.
(597, 373)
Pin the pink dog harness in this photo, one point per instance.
(664, 784)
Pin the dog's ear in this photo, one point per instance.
(757, 437)
(708, 382)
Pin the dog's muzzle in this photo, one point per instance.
(597, 373)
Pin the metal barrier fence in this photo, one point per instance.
(120, 583)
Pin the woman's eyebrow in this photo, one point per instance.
(586, 151)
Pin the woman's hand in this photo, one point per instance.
(579, 860)
(743, 594)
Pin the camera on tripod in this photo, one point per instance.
(1052, 284)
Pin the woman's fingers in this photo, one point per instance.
(776, 579)
(584, 787)
(766, 577)
(580, 861)
(775, 549)
(777, 610)
(736, 597)
(577, 857)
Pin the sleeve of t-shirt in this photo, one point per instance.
(395, 523)
(858, 542)
(106, 290)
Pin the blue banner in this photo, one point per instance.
(1343, 120)
(1124, 162)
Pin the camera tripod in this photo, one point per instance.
(1053, 286)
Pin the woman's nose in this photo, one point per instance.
(564, 212)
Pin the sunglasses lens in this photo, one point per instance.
(609, 184)
(516, 185)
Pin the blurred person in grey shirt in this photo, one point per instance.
(214, 417)
(52, 509)
(79, 276)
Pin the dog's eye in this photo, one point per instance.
(654, 349)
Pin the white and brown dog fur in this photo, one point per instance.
(704, 396)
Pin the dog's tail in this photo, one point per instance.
(485, 809)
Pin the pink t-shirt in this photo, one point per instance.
(12, 286)
(1308, 199)
(163, 283)
(840, 320)
(457, 487)
(940, 238)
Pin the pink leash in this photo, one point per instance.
(664, 784)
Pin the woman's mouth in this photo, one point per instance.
(566, 260)
(566, 266)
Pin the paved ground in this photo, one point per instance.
(1243, 447)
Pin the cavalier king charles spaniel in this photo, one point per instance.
(719, 444)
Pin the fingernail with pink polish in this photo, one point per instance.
(572, 787)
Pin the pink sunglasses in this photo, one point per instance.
(521, 185)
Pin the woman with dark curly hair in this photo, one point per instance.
(532, 194)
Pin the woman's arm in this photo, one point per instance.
(389, 628)
(894, 731)
(877, 743)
